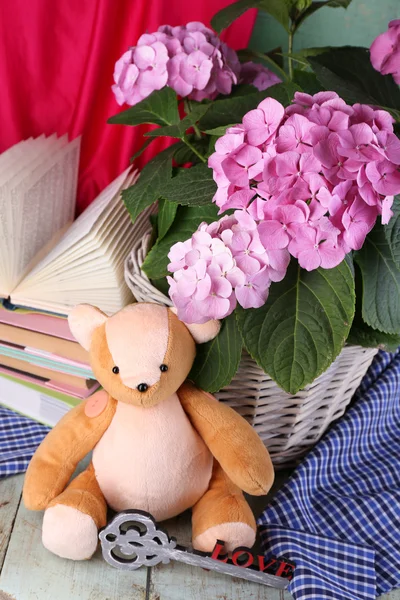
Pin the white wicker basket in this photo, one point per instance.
(288, 425)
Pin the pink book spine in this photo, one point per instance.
(55, 326)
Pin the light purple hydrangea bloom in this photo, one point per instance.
(308, 181)
(141, 70)
(190, 59)
(258, 75)
(222, 264)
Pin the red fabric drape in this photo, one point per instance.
(56, 72)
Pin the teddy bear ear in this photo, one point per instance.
(203, 332)
(83, 320)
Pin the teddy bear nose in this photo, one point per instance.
(142, 387)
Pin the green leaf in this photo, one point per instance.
(141, 150)
(217, 361)
(232, 109)
(194, 186)
(223, 18)
(348, 71)
(303, 325)
(362, 334)
(183, 154)
(151, 181)
(160, 108)
(317, 5)
(392, 232)
(178, 130)
(277, 8)
(350, 263)
(218, 131)
(186, 223)
(161, 284)
(307, 81)
(301, 57)
(381, 283)
(166, 216)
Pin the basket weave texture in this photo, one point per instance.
(288, 425)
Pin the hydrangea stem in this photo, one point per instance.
(193, 149)
(290, 51)
(188, 109)
(196, 131)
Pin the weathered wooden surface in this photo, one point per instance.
(10, 494)
(31, 573)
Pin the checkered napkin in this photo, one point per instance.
(338, 516)
(19, 438)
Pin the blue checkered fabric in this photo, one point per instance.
(19, 438)
(338, 516)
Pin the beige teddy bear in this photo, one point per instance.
(159, 443)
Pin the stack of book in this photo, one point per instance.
(48, 264)
(43, 371)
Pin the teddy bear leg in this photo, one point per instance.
(72, 520)
(222, 514)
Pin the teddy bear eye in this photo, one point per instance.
(163, 368)
(115, 370)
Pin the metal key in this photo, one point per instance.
(133, 539)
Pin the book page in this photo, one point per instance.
(87, 265)
(30, 400)
(12, 158)
(79, 229)
(113, 215)
(36, 201)
(22, 159)
(48, 204)
(12, 161)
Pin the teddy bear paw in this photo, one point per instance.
(233, 534)
(69, 533)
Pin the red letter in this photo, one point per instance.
(240, 552)
(217, 549)
(262, 567)
(285, 570)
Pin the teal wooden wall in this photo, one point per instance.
(356, 26)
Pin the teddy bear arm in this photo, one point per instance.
(231, 440)
(53, 463)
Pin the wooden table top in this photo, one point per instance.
(29, 572)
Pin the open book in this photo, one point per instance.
(48, 262)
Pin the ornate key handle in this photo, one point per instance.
(133, 539)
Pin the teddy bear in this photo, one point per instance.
(159, 443)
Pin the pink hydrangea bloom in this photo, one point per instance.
(385, 51)
(318, 155)
(241, 166)
(314, 247)
(261, 123)
(253, 293)
(231, 265)
(204, 274)
(276, 232)
(308, 181)
(190, 59)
